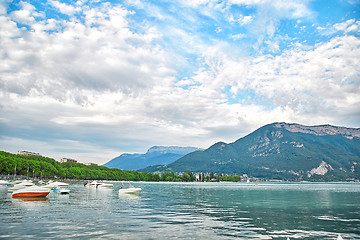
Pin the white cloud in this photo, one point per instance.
(238, 36)
(242, 20)
(344, 25)
(25, 15)
(349, 26)
(309, 82)
(273, 46)
(197, 3)
(246, 19)
(65, 8)
(109, 57)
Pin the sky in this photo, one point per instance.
(92, 79)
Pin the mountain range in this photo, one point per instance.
(281, 151)
(157, 155)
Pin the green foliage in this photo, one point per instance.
(36, 166)
(229, 178)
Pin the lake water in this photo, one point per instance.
(188, 211)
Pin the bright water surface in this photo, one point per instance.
(188, 211)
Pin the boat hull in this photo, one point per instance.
(129, 190)
(33, 191)
(105, 185)
(30, 194)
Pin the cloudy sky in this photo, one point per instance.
(92, 79)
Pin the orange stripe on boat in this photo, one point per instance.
(30, 194)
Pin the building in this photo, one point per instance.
(67, 160)
(27, 153)
(91, 164)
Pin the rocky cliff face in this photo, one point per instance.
(321, 130)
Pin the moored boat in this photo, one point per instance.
(21, 185)
(55, 185)
(93, 184)
(32, 191)
(41, 182)
(3, 182)
(61, 190)
(129, 189)
(105, 185)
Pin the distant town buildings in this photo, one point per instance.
(27, 153)
(63, 160)
(91, 164)
(67, 160)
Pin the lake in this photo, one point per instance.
(188, 211)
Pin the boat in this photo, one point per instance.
(21, 185)
(32, 191)
(61, 190)
(53, 185)
(93, 184)
(105, 185)
(41, 182)
(129, 189)
(3, 182)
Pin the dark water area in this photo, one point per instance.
(188, 211)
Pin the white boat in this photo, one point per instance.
(32, 191)
(129, 189)
(3, 182)
(56, 184)
(41, 182)
(61, 190)
(105, 185)
(93, 184)
(21, 185)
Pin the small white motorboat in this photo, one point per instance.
(41, 182)
(105, 185)
(3, 182)
(53, 185)
(93, 184)
(32, 191)
(61, 190)
(21, 185)
(129, 189)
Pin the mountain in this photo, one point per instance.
(281, 151)
(154, 156)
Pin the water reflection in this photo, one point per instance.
(129, 196)
(30, 199)
(30, 203)
(99, 192)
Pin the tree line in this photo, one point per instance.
(44, 167)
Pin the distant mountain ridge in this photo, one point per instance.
(156, 155)
(281, 151)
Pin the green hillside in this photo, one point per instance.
(38, 166)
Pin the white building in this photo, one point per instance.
(68, 160)
(27, 153)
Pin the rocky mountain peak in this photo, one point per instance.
(320, 130)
